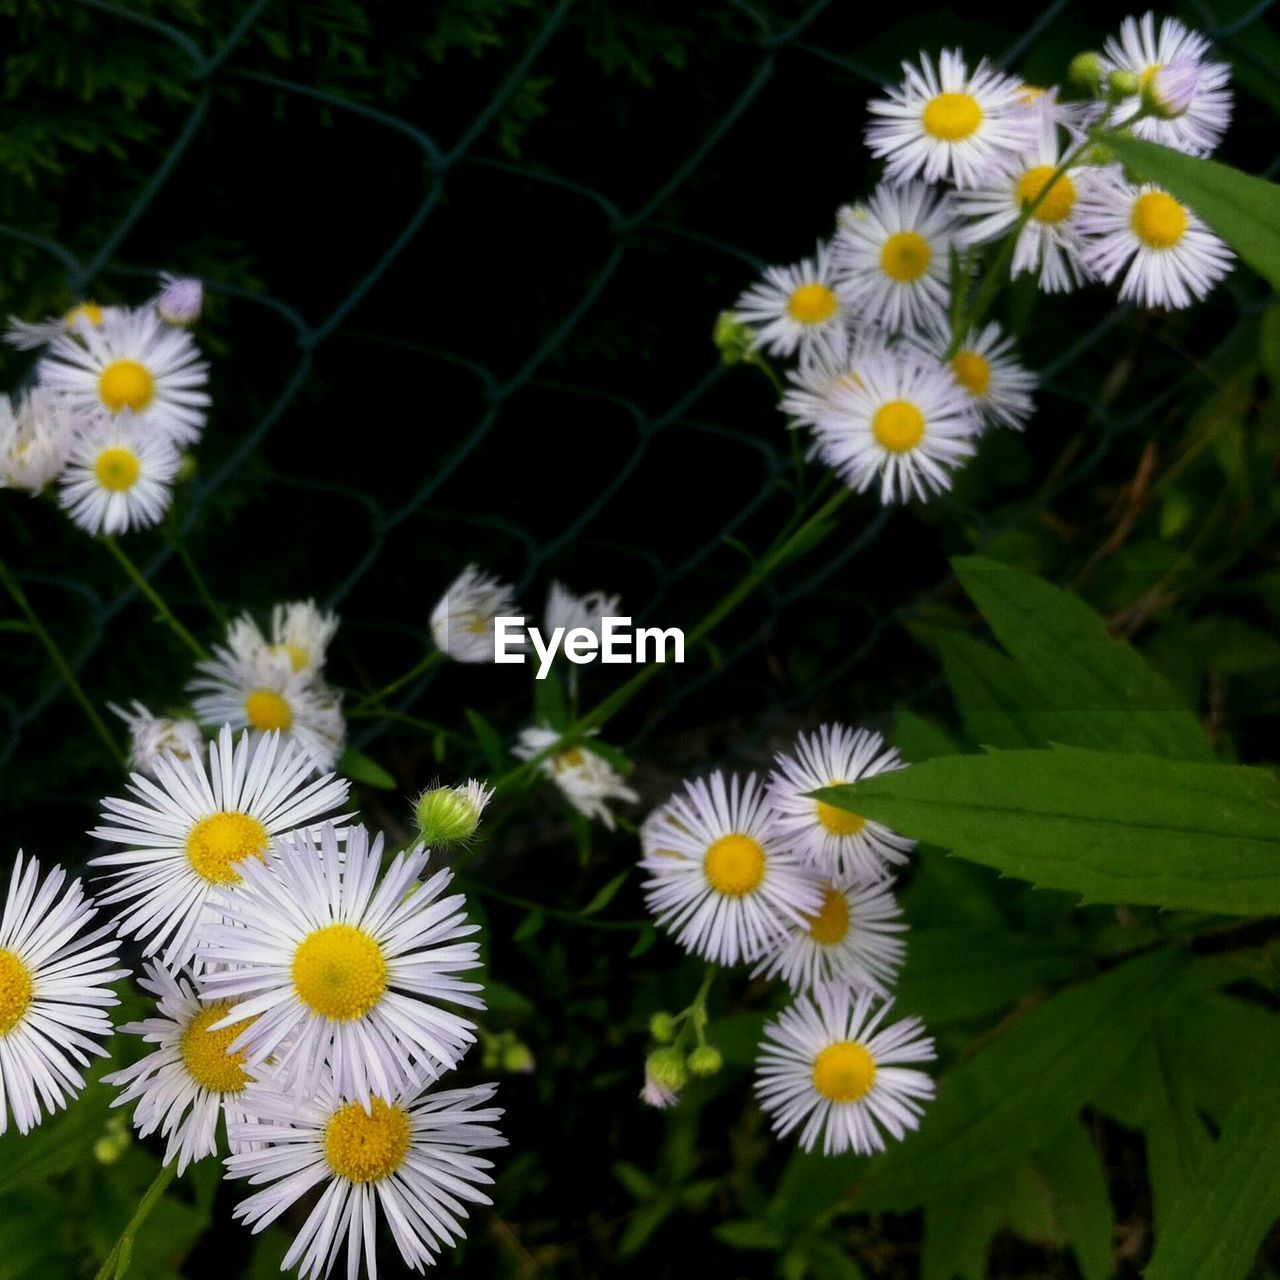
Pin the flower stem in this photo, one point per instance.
(59, 660)
(117, 1261)
(381, 695)
(166, 614)
(178, 543)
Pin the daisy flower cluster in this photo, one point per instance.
(310, 993)
(896, 372)
(744, 871)
(261, 679)
(118, 393)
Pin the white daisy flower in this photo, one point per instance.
(893, 256)
(1051, 115)
(152, 737)
(191, 1078)
(589, 782)
(340, 974)
(190, 833)
(180, 300)
(946, 123)
(995, 380)
(907, 423)
(570, 611)
(263, 693)
(827, 1064)
(299, 630)
(54, 988)
(1168, 256)
(411, 1156)
(119, 476)
(37, 432)
(1051, 242)
(132, 361)
(720, 877)
(852, 939)
(793, 305)
(822, 367)
(842, 846)
(26, 336)
(1189, 92)
(462, 622)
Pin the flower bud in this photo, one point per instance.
(1170, 90)
(662, 1027)
(732, 338)
(450, 815)
(666, 1068)
(1085, 71)
(1122, 84)
(706, 1060)
(181, 301)
(518, 1059)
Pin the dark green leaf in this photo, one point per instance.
(489, 740)
(357, 766)
(994, 697)
(606, 894)
(747, 1233)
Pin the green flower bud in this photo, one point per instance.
(188, 468)
(1085, 71)
(1122, 84)
(518, 1059)
(732, 338)
(706, 1060)
(662, 1027)
(450, 815)
(666, 1068)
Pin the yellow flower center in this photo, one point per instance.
(734, 866)
(1159, 221)
(267, 710)
(339, 972)
(566, 760)
(216, 843)
(1029, 94)
(1058, 201)
(905, 256)
(299, 657)
(831, 924)
(812, 304)
(117, 469)
(126, 384)
(87, 311)
(16, 990)
(972, 372)
(952, 117)
(898, 426)
(844, 1071)
(205, 1055)
(366, 1146)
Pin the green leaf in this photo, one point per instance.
(919, 738)
(1221, 1220)
(489, 741)
(530, 925)
(550, 703)
(1078, 1200)
(1111, 827)
(1025, 1085)
(1100, 691)
(605, 895)
(992, 694)
(357, 766)
(1243, 210)
(748, 1233)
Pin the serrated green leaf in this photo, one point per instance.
(357, 766)
(919, 738)
(1242, 209)
(605, 895)
(1100, 691)
(1025, 1085)
(1111, 827)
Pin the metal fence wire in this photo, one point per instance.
(457, 467)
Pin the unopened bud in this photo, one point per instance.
(1122, 84)
(706, 1060)
(180, 301)
(450, 815)
(732, 338)
(662, 1027)
(518, 1059)
(666, 1068)
(1085, 71)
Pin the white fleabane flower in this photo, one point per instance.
(341, 974)
(987, 367)
(462, 621)
(1187, 89)
(118, 477)
(841, 846)
(590, 783)
(37, 432)
(299, 630)
(1051, 115)
(180, 300)
(54, 990)
(151, 737)
(1051, 242)
(410, 1156)
(263, 693)
(946, 123)
(792, 305)
(190, 1079)
(829, 1068)
(567, 610)
(132, 361)
(822, 368)
(906, 422)
(854, 939)
(190, 833)
(1168, 257)
(893, 256)
(720, 878)
(27, 336)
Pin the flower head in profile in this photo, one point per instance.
(37, 432)
(31, 336)
(570, 611)
(462, 621)
(180, 300)
(589, 781)
(822, 369)
(151, 737)
(792, 306)
(54, 993)
(407, 1157)
(299, 631)
(828, 1067)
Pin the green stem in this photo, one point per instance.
(166, 614)
(62, 666)
(381, 695)
(117, 1261)
(178, 543)
(485, 890)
